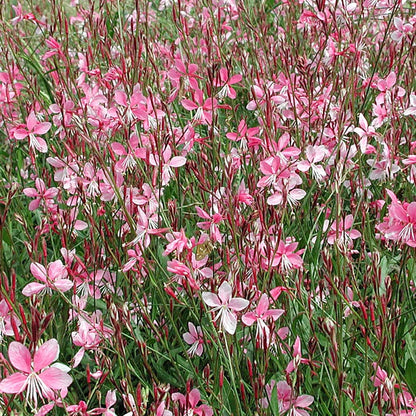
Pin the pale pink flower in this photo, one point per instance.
(168, 162)
(288, 402)
(33, 129)
(342, 232)
(297, 357)
(189, 404)
(286, 258)
(400, 225)
(204, 108)
(187, 73)
(225, 306)
(6, 316)
(36, 375)
(314, 155)
(195, 339)
(403, 30)
(52, 278)
(110, 401)
(40, 194)
(225, 83)
(364, 132)
(260, 316)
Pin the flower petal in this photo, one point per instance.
(211, 299)
(20, 357)
(13, 384)
(55, 378)
(225, 292)
(46, 354)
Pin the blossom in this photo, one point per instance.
(195, 339)
(6, 316)
(33, 129)
(40, 193)
(36, 375)
(288, 401)
(341, 232)
(260, 316)
(286, 258)
(314, 155)
(189, 404)
(52, 278)
(225, 306)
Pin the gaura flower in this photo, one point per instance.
(225, 306)
(36, 375)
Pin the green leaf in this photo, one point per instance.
(410, 376)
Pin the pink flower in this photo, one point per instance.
(225, 82)
(297, 357)
(286, 258)
(189, 403)
(225, 305)
(168, 162)
(341, 233)
(314, 155)
(33, 129)
(6, 316)
(36, 375)
(288, 402)
(53, 278)
(260, 316)
(364, 131)
(195, 339)
(110, 400)
(204, 108)
(40, 194)
(400, 225)
(403, 29)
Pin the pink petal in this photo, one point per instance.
(188, 338)
(20, 134)
(238, 304)
(38, 271)
(177, 161)
(118, 149)
(19, 357)
(40, 144)
(249, 318)
(194, 397)
(225, 292)
(63, 284)
(304, 401)
(56, 270)
(303, 166)
(235, 78)
(55, 378)
(78, 357)
(192, 330)
(42, 128)
(120, 98)
(274, 313)
(33, 289)
(13, 384)
(211, 299)
(263, 304)
(30, 192)
(187, 104)
(31, 121)
(34, 204)
(229, 321)
(46, 354)
(275, 199)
